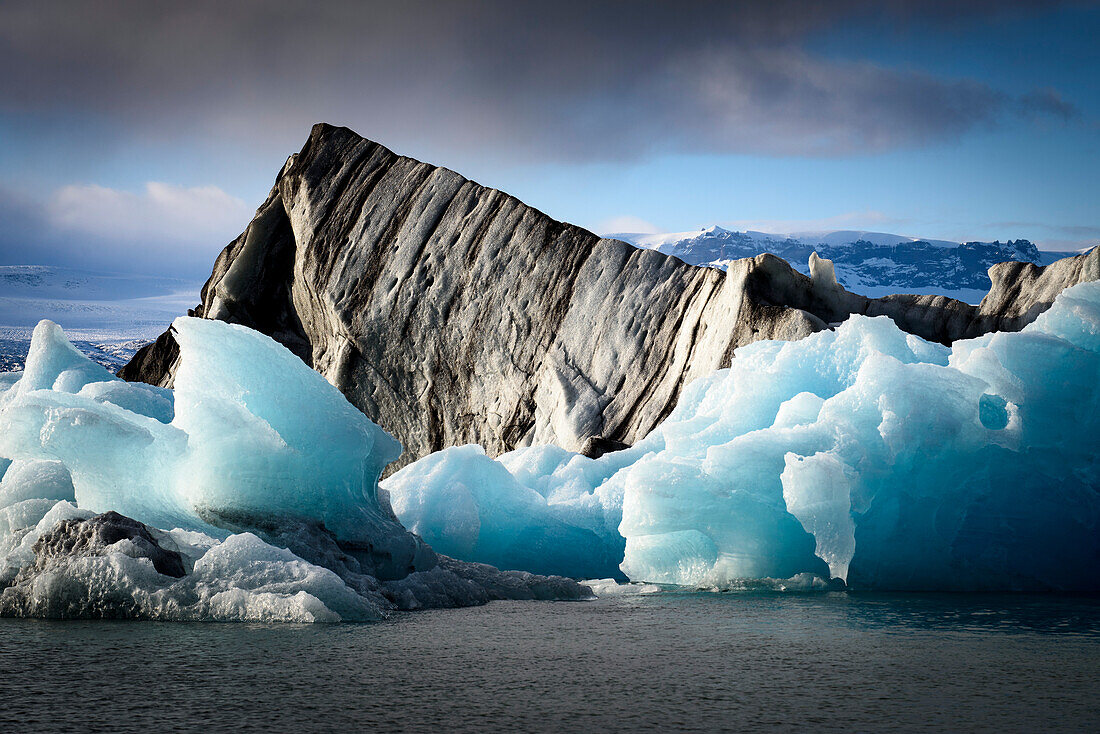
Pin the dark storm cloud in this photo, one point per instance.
(558, 80)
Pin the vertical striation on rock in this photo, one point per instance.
(452, 313)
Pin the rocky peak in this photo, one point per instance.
(452, 313)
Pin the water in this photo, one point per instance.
(684, 662)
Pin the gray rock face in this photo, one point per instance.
(452, 313)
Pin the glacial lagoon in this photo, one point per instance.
(667, 661)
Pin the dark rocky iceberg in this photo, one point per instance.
(452, 313)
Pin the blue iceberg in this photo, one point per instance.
(861, 453)
(253, 484)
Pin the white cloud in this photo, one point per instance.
(161, 214)
(626, 223)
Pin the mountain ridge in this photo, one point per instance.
(870, 263)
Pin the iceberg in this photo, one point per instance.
(253, 435)
(860, 453)
(469, 506)
(254, 476)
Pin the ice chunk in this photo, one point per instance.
(468, 506)
(254, 433)
(244, 578)
(252, 439)
(89, 568)
(861, 453)
(94, 535)
(26, 522)
(922, 468)
(268, 435)
(55, 364)
(31, 479)
(118, 460)
(612, 587)
(539, 508)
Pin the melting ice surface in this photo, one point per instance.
(862, 453)
(250, 439)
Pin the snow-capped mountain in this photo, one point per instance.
(870, 263)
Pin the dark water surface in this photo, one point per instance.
(699, 662)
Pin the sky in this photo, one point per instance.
(140, 136)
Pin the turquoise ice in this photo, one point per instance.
(249, 437)
(861, 453)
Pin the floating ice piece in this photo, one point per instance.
(468, 506)
(240, 579)
(251, 439)
(612, 587)
(253, 433)
(861, 453)
(923, 468)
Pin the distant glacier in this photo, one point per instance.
(108, 316)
